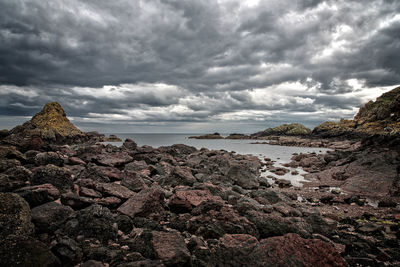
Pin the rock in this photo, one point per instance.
(216, 223)
(39, 194)
(11, 152)
(53, 122)
(243, 176)
(186, 200)
(136, 166)
(129, 144)
(387, 203)
(321, 225)
(207, 136)
(292, 250)
(179, 176)
(60, 177)
(93, 222)
(45, 158)
(282, 183)
(285, 129)
(74, 201)
(113, 159)
(75, 161)
(15, 215)
(370, 228)
(26, 252)
(125, 223)
(113, 138)
(114, 189)
(68, 251)
(48, 217)
(145, 202)
(379, 117)
(110, 202)
(170, 248)
(234, 250)
(237, 136)
(87, 192)
(273, 224)
(133, 181)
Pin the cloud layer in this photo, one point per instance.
(185, 65)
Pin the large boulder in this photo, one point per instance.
(15, 216)
(60, 177)
(146, 202)
(94, 221)
(292, 250)
(48, 217)
(170, 248)
(187, 200)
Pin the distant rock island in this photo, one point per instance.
(67, 199)
(293, 129)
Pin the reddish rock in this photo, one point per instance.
(113, 159)
(114, 189)
(179, 176)
(111, 202)
(39, 194)
(170, 248)
(215, 224)
(145, 202)
(234, 250)
(133, 181)
(75, 161)
(292, 250)
(185, 201)
(87, 192)
(129, 144)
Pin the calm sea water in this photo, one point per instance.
(280, 154)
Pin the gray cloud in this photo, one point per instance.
(203, 61)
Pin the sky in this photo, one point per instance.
(196, 66)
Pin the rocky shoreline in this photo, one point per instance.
(68, 200)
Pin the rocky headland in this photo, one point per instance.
(68, 200)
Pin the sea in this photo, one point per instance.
(279, 154)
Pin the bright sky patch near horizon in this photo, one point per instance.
(196, 66)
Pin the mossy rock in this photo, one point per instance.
(15, 216)
(53, 121)
(292, 129)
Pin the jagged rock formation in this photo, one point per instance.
(53, 122)
(292, 129)
(376, 117)
(50, 125)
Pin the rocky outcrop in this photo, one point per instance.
(207, 136)
(376, 117)
(100, 205)
(49, 126)
(293, 129)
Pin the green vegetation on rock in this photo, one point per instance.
(53, 121)
(292, 129)
(376, 117)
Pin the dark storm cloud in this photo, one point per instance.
(171, 60)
